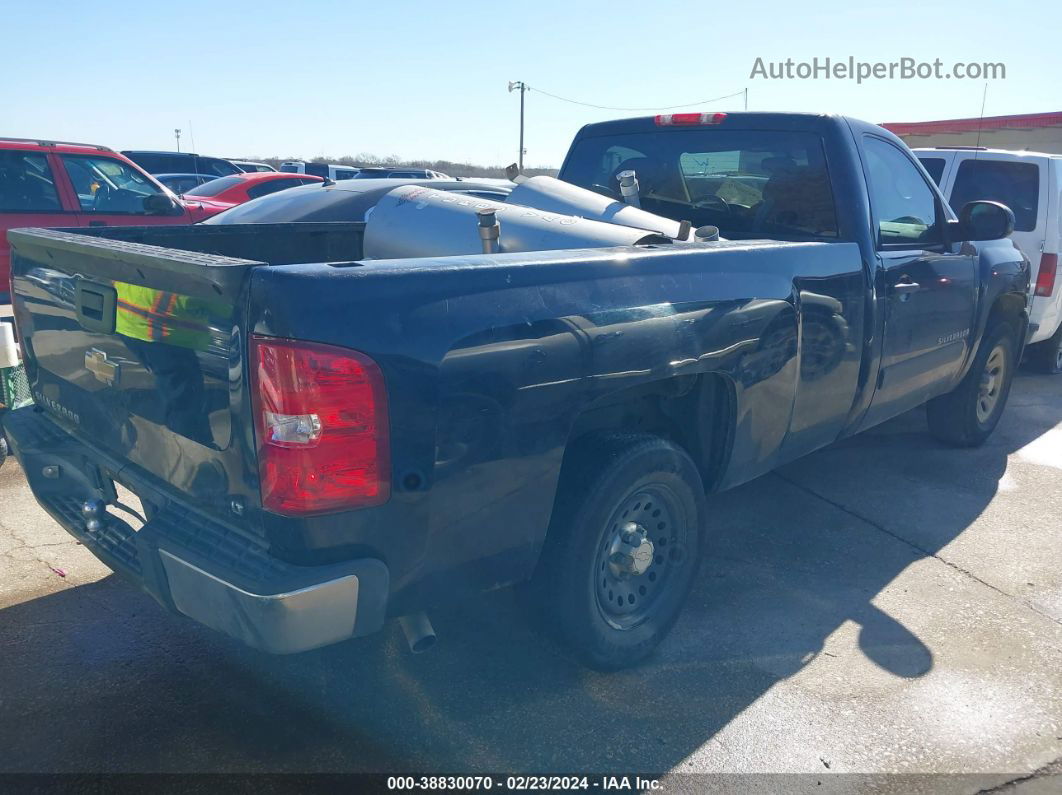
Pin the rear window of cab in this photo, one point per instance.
(748, 183)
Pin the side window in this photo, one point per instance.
(1016, 185)
(935, 167)
(26, 183)
(106, 185)
(904, 206)
(209, 165)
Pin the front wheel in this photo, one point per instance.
(623, 546)
(966, 416)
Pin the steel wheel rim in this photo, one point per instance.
(992, 380)
(625, 596)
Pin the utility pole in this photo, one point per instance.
(177, 135)
(513, 85)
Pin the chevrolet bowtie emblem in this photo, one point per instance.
(96, 362)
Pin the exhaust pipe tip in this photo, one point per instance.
(420, 634)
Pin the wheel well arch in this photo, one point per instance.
(1008, 307)
(696, 412)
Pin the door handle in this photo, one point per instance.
(905, 288)
(97, 223)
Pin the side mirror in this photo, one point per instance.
(161, 204)
(985, 220)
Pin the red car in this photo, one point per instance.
(47, 183)
(225, 192)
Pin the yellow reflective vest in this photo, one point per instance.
(145, 313)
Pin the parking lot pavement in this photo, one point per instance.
(885, 605)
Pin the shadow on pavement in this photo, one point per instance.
(98, 678)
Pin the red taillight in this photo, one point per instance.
(1045, 278)
(670, 119)
(321, 420)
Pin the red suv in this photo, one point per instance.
(47, 183)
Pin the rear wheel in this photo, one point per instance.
(966, 416)
(623, 546)
(1046, 356)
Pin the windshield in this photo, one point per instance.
(104, 184)
(749, 183)
(215, 186)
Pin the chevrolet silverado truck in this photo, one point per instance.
(329, 425)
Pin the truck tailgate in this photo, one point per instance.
(138, 351)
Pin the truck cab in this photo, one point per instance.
(752, 177)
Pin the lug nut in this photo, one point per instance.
(91, 508)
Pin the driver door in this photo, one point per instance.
(929, 284)
(110, 192)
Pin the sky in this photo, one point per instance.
(429, 79)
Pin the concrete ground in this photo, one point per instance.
(884, 606)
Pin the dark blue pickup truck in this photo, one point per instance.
(332, 424)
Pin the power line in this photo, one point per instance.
(610, 107)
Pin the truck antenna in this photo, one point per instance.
(980, 119)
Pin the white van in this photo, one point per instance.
(1030, 184)
(331, 171)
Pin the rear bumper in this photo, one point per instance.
(217, 574)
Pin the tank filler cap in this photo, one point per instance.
(489, 229)
(706, 234)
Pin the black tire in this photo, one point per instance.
(964, 417)
(618, 494)
(1046, 356)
